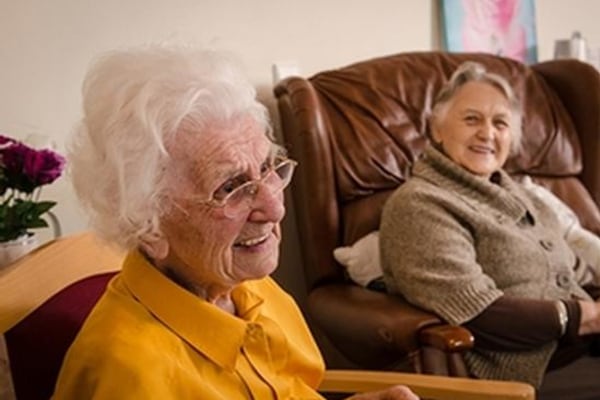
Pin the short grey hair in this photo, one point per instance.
(471, 71)
(134, 102)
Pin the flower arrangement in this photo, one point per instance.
(23, 171)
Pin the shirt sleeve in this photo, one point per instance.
(516, 324)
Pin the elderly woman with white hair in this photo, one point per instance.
(174, 162)
(484, 251)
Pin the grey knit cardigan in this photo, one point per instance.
(453, 242)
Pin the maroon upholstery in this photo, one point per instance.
(38, 343)
(357, 130)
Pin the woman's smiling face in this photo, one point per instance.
(208, 249)
(476, 128)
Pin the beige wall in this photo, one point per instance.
(45, 47)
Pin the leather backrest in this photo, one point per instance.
(357, 131)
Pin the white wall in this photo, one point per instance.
(45, 47)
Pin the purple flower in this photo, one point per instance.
(43, 167)
(12, 156)
(22, 170)
(25, 169)
(6, 140)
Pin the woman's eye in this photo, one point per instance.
(225, 189)
(471, 119)
(501, 124)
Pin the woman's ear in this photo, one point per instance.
(433, 126)
(156, 247)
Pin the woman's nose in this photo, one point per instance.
(268, 204)
(486, 131)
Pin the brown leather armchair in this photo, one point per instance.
(357, 130)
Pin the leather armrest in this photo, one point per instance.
(384, 328)
(425, 386)
(448, 338)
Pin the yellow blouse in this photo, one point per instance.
(148, 338)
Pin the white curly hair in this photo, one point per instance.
(134, 101)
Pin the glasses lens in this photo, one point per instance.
(282, 176)
(284, 170)
(239, 201)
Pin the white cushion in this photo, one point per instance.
(361, 259)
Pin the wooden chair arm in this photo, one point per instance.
(448, 338)
(425, 386)
(71, 257)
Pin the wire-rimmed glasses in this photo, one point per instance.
(237, 198)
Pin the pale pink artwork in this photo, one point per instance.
(501, 27)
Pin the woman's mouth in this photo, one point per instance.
(482, 149)
(252, 241)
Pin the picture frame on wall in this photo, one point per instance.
(501, 27)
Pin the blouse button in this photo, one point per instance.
(254, 330)
(251, 328)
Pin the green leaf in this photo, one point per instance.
(19, 216)
(43, 206)
(37, 223)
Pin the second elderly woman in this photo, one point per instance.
(482, 251)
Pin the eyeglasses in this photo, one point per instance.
(236, 198)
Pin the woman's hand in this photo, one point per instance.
(398, 392)
(590, 317)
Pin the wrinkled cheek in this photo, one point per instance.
(275, 248)
(223, 263)
(268, 264)
(279, 207)
(258, 264)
